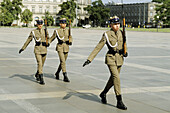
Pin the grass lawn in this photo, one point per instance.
(139, 29)
(103, 28)
(149, 29)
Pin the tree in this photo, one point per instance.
(16, 8)
(163, 11)
(159, 1)
(26, 16)
(98, 13)
(49, 18)
(6, 16)
(68, 10)
(10, 10)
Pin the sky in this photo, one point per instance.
(125, 1)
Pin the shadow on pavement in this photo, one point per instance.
(49, 75)
(26, 77)
(87, 96)
(31, 77)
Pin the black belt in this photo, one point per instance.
(114, 52)
(43, 44)
(61, 42)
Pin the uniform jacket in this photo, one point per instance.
(61, 35)
(111, 57)
(40, 49)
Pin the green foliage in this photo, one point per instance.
(163, 11)
(68, 10)
(10, 10)
(26, 16)
(16, 8)
(49, 18)
(159, 1)
(6, 18)
(98, 13)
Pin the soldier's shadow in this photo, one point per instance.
(87, 96)
(49, 75)
(31, 77)
(25, 77)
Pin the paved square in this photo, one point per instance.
(145, 76)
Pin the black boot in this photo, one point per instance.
(103, 97)
(41, 79)
(65, 77)
(37, 77)
(120, 104)
(57, 75)
(58, 72)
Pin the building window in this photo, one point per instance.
(79, 11)
(25, 7)
(151, 14)
(33, 9)
(54, 9)
(151, 7)
(78, 1)
(40, 9)
(47, 8)
(86, 2)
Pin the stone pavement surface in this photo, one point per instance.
(145, 75)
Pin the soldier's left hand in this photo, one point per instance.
(70, 43)
(48, 45)
(125, 55)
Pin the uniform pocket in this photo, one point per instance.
(113, 41)
(110, 59)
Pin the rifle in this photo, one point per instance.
(69, 31)
(46, 29)
(124, 35)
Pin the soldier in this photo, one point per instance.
(40, 48)
(114, 59)
(62, 35)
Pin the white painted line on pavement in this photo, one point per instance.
(147, 67)
(148, 57)
(30, 108)
(22, 96)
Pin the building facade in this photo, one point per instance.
(138, 14)
(38, 8)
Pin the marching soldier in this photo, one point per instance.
(64, 41)
(40, 48)
(114, 59)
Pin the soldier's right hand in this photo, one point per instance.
(86, 62)
(20, 50)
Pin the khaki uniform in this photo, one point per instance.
(40, 49)
(62, 46)
(114, 57)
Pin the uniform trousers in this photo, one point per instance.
(40, 62)
(63, 58)
(114, 79)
